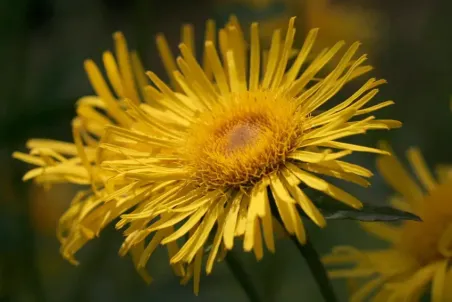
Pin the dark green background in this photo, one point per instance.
(42, 47)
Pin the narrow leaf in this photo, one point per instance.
(333, 209)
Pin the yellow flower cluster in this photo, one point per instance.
(215, 155)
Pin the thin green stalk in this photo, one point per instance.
(241, 276)
(317, 269)
(315, 265)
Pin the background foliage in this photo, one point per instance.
(42, 48)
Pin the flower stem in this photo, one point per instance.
(242, 277)
(315, 265)
(317, 269)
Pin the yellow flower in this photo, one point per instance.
(63, 162)
(191, 167)
(420, 251)
(338, 21)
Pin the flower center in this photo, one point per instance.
(431, 240)
(241, 136)
(243, 140)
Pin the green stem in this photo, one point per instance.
(312, 258)
(317, 269)
(242, 277)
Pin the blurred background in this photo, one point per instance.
(42, 47)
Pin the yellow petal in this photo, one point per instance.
(257, 246)
(439, 282)
(197, 271)
(196, 242)
(267, 226)
(217, 240)
(335, 171)
(352, 147)
(307, 178)
(396, 175)
(113, 73)
(173, 249)
(57, 146)
(367, 289)
(242, 216)
(285, 53)
(327, 188)
(125, 66)
(305, 203)
(283, 209)
(28, 159)
(150, 248)
(301, 56)
(254, 58)
(272, 59)
(136, 253)
(167, 58)
(217, 68)
(383, 230)
(230, 221)
(421, 169)
(251, 219)
(104, 92)
(259, 197)
(187, 226)
(314, 157)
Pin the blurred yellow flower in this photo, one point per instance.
(338, 21)
(205, 161)
(420, 251)
(47, 206)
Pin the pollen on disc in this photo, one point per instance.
(241, 136)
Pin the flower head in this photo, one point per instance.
(215, 155)
(420, 251)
